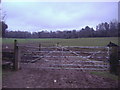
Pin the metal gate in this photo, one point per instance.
(64, 57)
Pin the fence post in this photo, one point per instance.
(113, 58)
(16, 56)
(39, 46)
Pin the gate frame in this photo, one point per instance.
(17, 53)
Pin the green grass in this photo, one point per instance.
(67, 42)
(105, 75)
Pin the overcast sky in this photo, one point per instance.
(52, 16)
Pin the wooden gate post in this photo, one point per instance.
(16, 56)
(113, 58)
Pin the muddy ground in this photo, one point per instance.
(33, 75)
(48, 78)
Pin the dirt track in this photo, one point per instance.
(32, 77)
(45, 78)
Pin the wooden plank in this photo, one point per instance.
(33, 46)
(86, 47)
(96, 69)
(80, 65)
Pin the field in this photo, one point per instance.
(68, 42)
(59, 67)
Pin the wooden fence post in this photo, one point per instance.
(39, 46)
(113, 58)
(16, 56)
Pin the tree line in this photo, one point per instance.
(102, 30)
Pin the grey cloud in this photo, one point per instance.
(52, 15)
